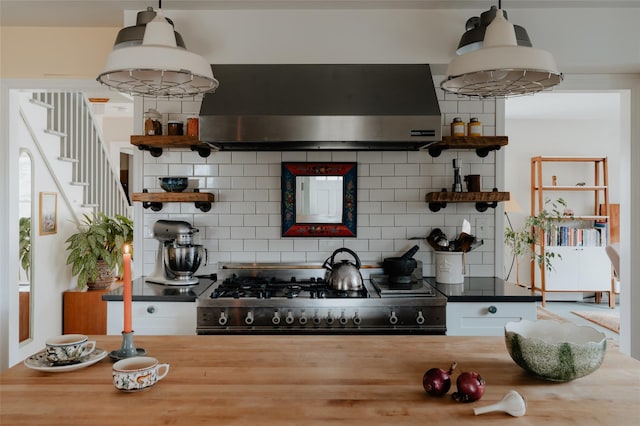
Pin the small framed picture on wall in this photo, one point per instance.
(48, 213)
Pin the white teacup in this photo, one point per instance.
(68, 348)
(138, 373)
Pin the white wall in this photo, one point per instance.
(562, 135)
(50, 277)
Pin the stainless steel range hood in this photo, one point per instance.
(333, 107)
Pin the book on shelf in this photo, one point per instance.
(578, 236)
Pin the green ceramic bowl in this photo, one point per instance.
(555, 351)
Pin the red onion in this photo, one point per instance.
(436, 381)
(470, 387)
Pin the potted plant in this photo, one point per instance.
(25, 246)
(95, 251)
(523, 241)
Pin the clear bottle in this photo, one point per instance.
(475, 127)
(152, 125)
(457, 127)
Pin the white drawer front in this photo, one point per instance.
(154, 318)
(485, 318)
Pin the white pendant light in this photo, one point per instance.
(158, 67)
(501, 67)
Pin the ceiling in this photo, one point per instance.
(109, 13)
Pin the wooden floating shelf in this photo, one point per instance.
(482, 144)
(483, 200)
(155, 144)
(154, 200)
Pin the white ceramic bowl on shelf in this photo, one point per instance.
(553, 350)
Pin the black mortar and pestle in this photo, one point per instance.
(399, 269)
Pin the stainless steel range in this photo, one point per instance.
(274, 298)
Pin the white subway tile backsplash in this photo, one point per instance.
(305, 245)
(406, 194)
(394, 182)
(244, 223)
(180, 169)
(231, 170)
(255, 220)
(369, 157)
(382, 170)
(471, 107)
(390, 207)
(244, 157)
(381, 220)
(223, 157)
(243, 233)
(238, 182)
(231, 220)
(319, 156)
(205, 170)
(268, 232)
(406, 220)
(245, 207)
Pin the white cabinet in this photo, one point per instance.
(579, 269)
(485, 318)
(154, 318)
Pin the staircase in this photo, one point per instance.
(63, 127)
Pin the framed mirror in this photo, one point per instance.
(25, 270)
(319, 199)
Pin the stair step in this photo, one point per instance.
(89, 206)
(79, 183)
(55, 133)
(40, 103)
(68, 159)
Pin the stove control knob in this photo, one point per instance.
(303, 318)
(249, 318)
(492, 309)
(356, 319)
(420, 318)
(393, 319)
(289, 318)
(222, 320)
(276, 318)
(316, 319)
(329, 319)
(343, 319)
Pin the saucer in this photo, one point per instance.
(40, 362)
(117, 355)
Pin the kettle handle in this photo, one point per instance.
(346, 250)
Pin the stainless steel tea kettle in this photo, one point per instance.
(345, 275)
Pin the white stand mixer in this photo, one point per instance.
(178, 258)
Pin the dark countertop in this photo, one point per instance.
(143, 291)
(484, 289)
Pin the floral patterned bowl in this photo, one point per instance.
(174, 183)
(555, 351)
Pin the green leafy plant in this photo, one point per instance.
(100, 237)
(25, 245)
(525, 240)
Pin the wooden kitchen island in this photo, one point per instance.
(300, 380)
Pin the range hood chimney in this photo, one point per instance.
(284, 107)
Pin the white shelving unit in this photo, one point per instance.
(582, 268)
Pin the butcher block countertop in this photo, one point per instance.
(301, 380)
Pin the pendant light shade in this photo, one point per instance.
(504, 65)
(158, 65)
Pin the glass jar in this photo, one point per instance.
(152, 123)
(475, 127)
(174, 128)
(457, 127)
(193, 126)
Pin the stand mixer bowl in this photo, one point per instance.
(183, 260)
